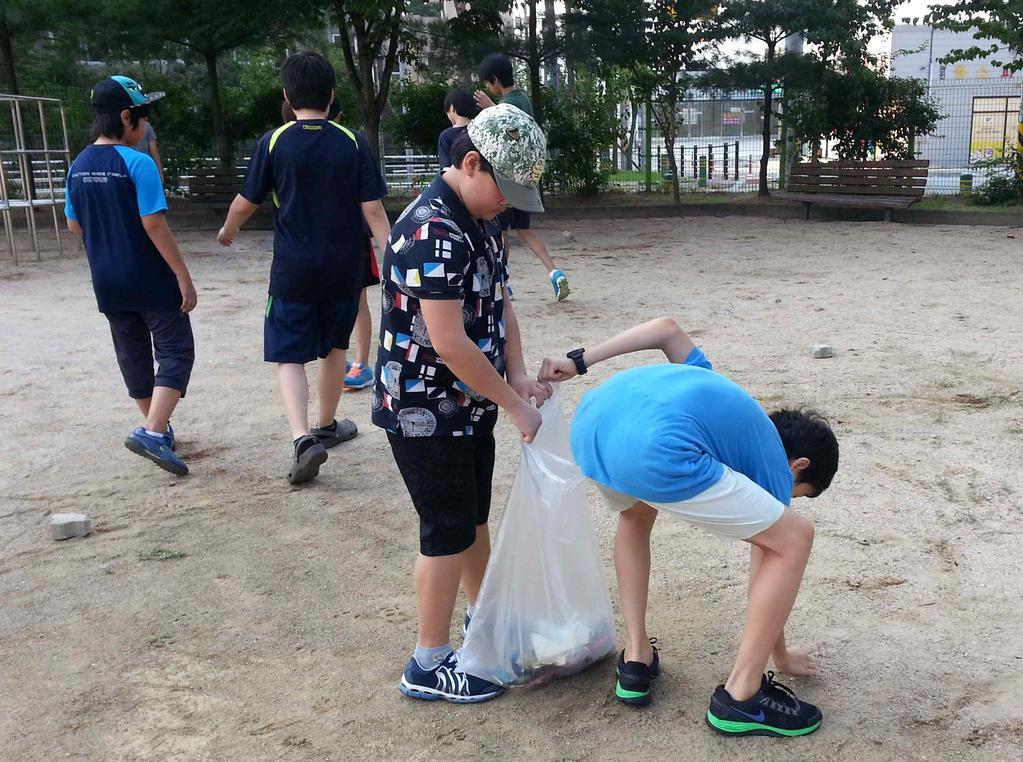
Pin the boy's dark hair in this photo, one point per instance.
(463, 145)
(334, 112)
(807, 434)
(111, 126)
(497, 66)
(463, 103)
(308, 80)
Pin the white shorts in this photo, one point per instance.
(735, 508)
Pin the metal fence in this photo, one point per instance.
(719, 144)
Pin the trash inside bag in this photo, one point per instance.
(544, 610)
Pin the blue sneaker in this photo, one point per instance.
(157, 449)
(170, 434)
(358, 376)
(446, 682)
(560, 283)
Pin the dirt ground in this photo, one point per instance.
(229, 616)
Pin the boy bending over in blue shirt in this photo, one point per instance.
(685, 440)
(115, 201)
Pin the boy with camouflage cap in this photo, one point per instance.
(449, 356)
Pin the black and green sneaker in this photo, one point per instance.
(633, 684)
(774, 710)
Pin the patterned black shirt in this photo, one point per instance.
(437, 251)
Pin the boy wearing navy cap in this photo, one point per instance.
(115, 201)
(323, 181)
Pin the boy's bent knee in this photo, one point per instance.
(639, 514)
(790, 535)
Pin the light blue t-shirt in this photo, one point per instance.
(662, 432)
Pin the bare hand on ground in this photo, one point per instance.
(796, 662)
(556, 369)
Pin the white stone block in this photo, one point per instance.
(64, 526)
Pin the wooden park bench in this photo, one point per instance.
(887, 185)
(215, 187)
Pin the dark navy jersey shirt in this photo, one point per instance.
(318, 173)
(109, 189)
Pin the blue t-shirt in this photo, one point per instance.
(319, 173)
(109, 189)
(662, 432)
(444, 142)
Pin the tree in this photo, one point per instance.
(1000, 20)
(861, 109)
(375, 27)
(838, 28)
(207, 31)
(416, 116)
(23, 21)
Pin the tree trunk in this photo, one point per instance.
(550, 34)
(532, 46)
(765, 155)
(372, 131)
(7, 70)
(225, 149)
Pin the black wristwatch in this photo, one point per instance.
(576, 356)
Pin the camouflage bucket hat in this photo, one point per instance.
(516, 147)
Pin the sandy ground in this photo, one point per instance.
(281, 630)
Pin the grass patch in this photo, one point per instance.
(161, 554)
(963, 204)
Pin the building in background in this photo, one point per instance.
(980, 100)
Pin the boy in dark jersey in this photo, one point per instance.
(323, 181)
(460, 109)
(115, 201)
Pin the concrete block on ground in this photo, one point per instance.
(64, 526)
(820, 351)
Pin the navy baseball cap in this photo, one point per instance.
(114, 95)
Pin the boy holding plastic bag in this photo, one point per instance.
(449, 356)
(685, 440)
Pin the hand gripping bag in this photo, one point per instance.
(544, 610)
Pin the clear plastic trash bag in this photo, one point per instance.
(544, 610)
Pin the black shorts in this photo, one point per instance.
(137, 334)
(370, 270)
(299, 332)
(514, 219)
(449, 480)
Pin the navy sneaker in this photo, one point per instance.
(774, 710)
(157, 448)
(170, 435)
(633, 684)
(446, 682)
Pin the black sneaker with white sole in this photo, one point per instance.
(774, 710)
(446, 682)
(306, 460)
(634, 677)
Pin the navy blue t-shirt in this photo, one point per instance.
(319, 173)
(444, 142)
(109, 189)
